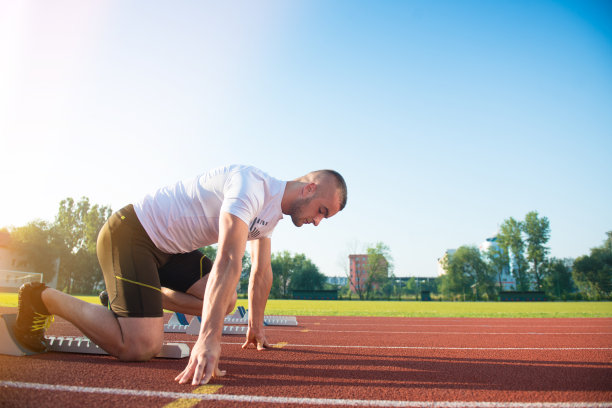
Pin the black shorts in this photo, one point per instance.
(135, 270)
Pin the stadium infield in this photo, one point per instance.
(410, 308)
(346, 361)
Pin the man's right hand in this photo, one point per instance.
(203, 363)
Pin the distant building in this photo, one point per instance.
(447, 254)
(337, 280)
(358, 266)
(506, 281)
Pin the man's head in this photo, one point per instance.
(317, 195)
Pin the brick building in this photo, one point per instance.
(358, 267)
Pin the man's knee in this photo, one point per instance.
(142, 338)
(139, 349)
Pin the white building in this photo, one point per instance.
(448, 253)
(337, 280)
(506, 280)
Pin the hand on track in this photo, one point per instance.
(256, 338)
(203, 364)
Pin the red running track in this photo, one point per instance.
(350, 361)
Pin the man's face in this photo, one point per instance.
(318, 201)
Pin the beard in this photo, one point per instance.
(297, 211)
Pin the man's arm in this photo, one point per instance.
(222, 282)
(260, 283)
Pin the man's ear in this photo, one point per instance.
(309, 190)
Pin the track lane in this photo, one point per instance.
(342, 365)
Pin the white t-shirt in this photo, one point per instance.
(185, 216)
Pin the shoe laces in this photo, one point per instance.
(41, 321)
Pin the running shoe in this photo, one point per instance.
(33, 318)
(104, 298)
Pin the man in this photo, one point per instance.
(149, 258)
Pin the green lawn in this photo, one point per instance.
(412, 309)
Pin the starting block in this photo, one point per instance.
(8, 343)
(178, 322)
(193, 328)
(82, 345)
(242, 313)
(268, 321)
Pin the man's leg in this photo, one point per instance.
(127, 338)
(190, 302)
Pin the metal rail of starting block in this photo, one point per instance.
(193, 328)
(178, 322)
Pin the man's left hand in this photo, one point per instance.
(257, 338)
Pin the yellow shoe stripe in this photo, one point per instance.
(41, 322)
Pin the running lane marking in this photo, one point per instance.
(457, 325)
(429, 347)
(444, 332)
(303, 401)
(190, 402)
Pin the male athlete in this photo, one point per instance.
(149, 258)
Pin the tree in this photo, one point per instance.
(378, 267)
(411, 287)
(211, 253)
(467, 274)
(39, 244)
(498, 260)
(77, 226)
(389, 289)
(305, 275)
(538, 233)
(557, 281)
(593, 273)
(281, 268)
(510, 237)
(294, 272)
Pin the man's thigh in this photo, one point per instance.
(129, 262)
(186, 272)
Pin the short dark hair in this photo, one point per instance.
(340, 185)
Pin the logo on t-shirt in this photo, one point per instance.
(254, 232)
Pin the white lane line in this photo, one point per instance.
(447, 333)
(449, 348)
(294, 400)
(289, 345)
(455, 325)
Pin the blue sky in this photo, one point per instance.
(445, 117)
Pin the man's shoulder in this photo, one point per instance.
(252, 175)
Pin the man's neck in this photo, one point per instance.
(292, 192)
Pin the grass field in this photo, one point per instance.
(412, 309)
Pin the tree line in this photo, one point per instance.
(290, 272)
(522, 252)
(70, 241)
